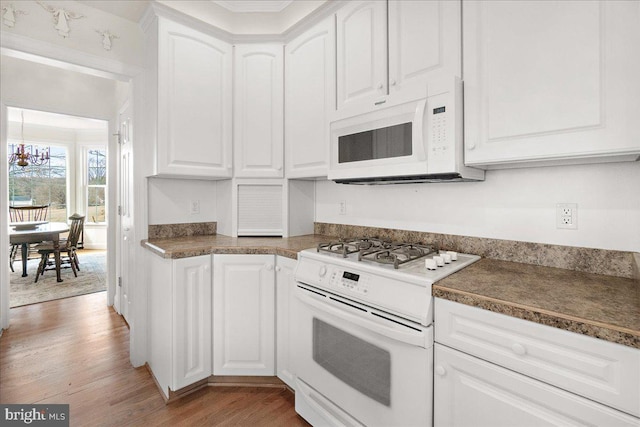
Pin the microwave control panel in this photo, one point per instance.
(444, 125)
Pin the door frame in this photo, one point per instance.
(69, 59)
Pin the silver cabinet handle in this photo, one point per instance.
(441, 371)
(278, 268)
(269, 267)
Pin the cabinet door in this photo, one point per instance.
(551, 82)
(244, 315)
(191, 320)
(284, 306)
(310, 97)
(258, 122)
(361, 30)
(194, 103)
(471, 392)
(424, 42)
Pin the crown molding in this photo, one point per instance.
(159, 10)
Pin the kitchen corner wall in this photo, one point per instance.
(515, 204)
(170, 201)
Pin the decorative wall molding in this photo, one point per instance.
(107, 38)
(61, 18)
(9, 13)
(29, 49)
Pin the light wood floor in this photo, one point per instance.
(75, 351)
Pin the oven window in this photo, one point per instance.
(356, 362)
(384, 143)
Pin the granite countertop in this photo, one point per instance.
(604, 307)
(183, 247)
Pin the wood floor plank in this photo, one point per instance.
(76, 351)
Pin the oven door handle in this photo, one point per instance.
(408, 336)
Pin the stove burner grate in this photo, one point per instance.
(397, 254)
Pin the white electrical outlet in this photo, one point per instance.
(343, 207)
(567, 215)
(194, 207)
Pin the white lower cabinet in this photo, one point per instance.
(243, 315)
(471, 392)
(285, 301)
(180, 321)
(495, 370)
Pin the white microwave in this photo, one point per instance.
(417, 141)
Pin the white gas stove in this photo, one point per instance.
(364, 334)
(389, 276)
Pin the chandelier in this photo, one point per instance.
(23, 157)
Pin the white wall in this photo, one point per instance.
(170, 200)
(41, 87)
(515, 204)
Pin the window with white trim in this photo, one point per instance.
(96, 195)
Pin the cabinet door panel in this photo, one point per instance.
(603, 371)
(424, 43)
(310, 97)
(544, 80)
(192, 320)
(194, 103)
(471, 392)
(244, 315)
(259, 109)
(285, 301)
(361, 53)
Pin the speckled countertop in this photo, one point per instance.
(184, 247)
(604, 307)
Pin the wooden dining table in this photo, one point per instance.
(24, 233)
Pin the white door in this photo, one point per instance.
(258, 139)
(310, 73)
(550, 80)
(125, 207)
(243, 315)
(361, 29)
(194, 103)
(285, 301)
(424, 43)
(191, 346)
(471, 392)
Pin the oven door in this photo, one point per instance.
(360, 366)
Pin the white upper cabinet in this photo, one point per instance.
(383, 59)
(424, 42)
(309, 99)
(361, 30)
(258, 111)
(551, 82)
(194, 102)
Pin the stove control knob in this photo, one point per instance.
(323, 271)
(454, 255)
(430, 264)
(439, 261)
(446, 258)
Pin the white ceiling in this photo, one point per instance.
(43, 118)
(133, 10)
(241, 6)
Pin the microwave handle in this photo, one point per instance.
(418, 131)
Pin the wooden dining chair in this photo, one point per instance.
(68, 247)
(25, 214)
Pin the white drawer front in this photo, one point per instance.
(606, 372)
(470, 392)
